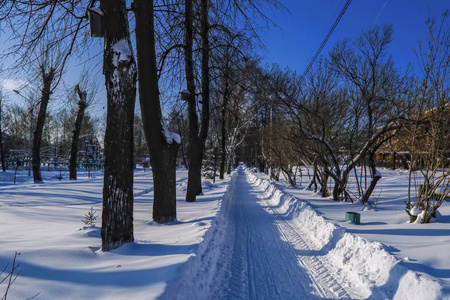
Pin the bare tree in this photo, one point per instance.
(365, 65)
(62, 22)
(119, 67)
(197, 134)
(84, 100)
(48, 67)
(430, 130)
(162, 144)
(2, 158)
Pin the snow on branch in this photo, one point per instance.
(170, 136)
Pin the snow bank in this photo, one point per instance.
(365, 268)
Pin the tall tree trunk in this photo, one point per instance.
(194, 186)
(183, 151)
(223, 157)
(2, 154)
(196, 139)
(324, 185)
(119, 68)
(163, 145)
(1, 137)
(205, 72)
(47, 78)
(76, 134)
(230, 162)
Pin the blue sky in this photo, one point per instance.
(303, 27)
(302, 30)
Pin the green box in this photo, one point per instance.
(353, 217)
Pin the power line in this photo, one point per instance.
(379, 14)
(330, 32)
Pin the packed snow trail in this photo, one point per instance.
(266, 244)
(247, 255)
(262, 265)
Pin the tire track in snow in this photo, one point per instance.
(320, 274)
(323, 280)
(262, 265)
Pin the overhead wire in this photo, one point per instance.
(330, 32)
(379, 14)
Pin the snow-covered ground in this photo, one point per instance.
(362, 266)
(418, 247)
(60, 257)
(245, 238)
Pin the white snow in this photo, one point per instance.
(60, 257)
(97, 10)
(11, 84)
(122, 52)
(424, 245)
(363, 268)
(124, 68)
(244, 237)
(414, 211)
(170, 136)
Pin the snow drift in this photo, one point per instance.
(365, 268)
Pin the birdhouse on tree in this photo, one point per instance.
(96, 22)
(184, 95)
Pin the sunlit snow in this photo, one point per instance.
(234, 240)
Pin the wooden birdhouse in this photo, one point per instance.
(184, 95)
(96, 22)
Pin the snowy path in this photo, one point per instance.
(266, 244)
(253, 253)
(262, 265)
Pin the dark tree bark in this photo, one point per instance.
(376, 176)
(196, 139)
(119, 68)
(206, 50)
(82, 104)
(47, 79)
(1, 137)
(2, 154)
(194, 186)
(163, 146)
(223, 129)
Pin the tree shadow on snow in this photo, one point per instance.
(143, 248)
(402, 231)
(435, 272)
(119, 276)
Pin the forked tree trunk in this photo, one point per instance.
(76, 134)
(119, 68)
(163, 146)
(376, 176)
(47, 78)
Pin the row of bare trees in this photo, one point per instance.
(171, 38)
(19, 124)
(334, 118)
(352, 105)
